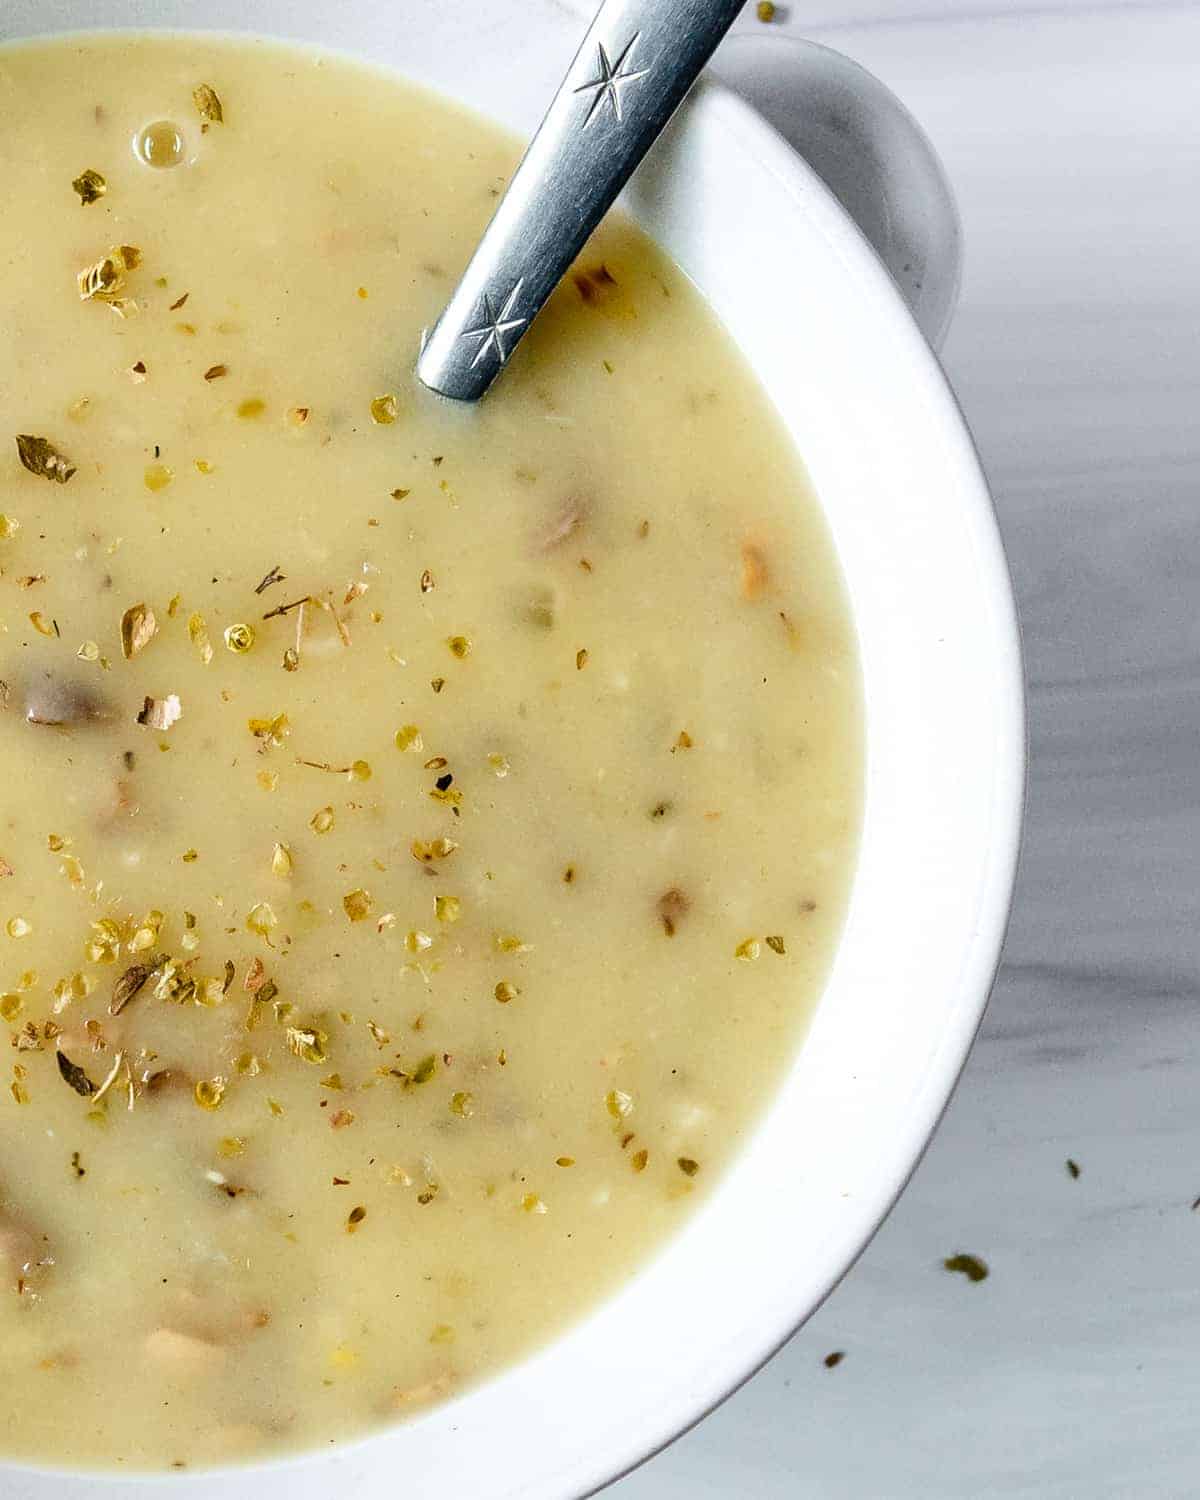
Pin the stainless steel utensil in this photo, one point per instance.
(636, 63)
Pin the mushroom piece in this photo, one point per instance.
(166, 1079)
(54, 700)
(755, 574)
(183, 1352)
(422, 1392)
(561, 526)
(237, 1438)
(24, 1256)
(672, 907)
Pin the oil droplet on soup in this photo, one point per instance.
(434, 826)
(160, 144)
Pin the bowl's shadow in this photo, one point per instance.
(868, 149)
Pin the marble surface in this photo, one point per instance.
(1071, 1373)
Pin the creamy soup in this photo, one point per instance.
(425, 829)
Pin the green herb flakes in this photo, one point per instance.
(198, 635)
(261, 919)
(308, 1042)
(274, 576)
(145, 935)
(358, 904)
(209, 1093)
(103, 280)
(105, 943)
(970, 1266)
(618, 1103)
(462, 1104)
(73, 987)
(41, 457)
(270, 731)
(90, 186)
(208, 105)
(425, 1069)
(239, 638)
(284, 609)
(435, 849)
(74, 1075)
(128, 986)
(447, 908)
(408, 737)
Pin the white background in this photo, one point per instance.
(1072, 136)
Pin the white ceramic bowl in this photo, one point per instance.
(894, 467)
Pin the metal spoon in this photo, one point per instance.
(636, 63)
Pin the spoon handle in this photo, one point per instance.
(636, 63)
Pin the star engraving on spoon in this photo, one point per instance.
(607, 88)
(495, 325)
